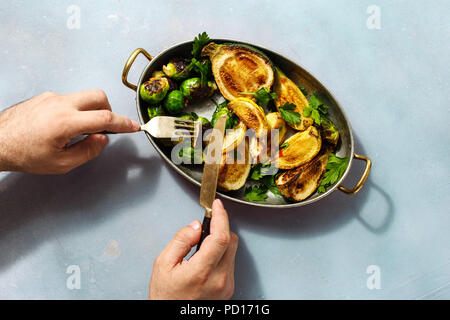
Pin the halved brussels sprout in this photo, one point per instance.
(155, 111)
(158, 74)
(193, 90)
(174, 102)
(239, 68)
(189, 116)
(154, 90)
(329, 131)
(178, 69)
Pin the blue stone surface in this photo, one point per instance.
(112, 216)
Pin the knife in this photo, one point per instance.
(210, 174)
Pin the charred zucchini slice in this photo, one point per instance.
(276, 122)
(239, 68)
(299, 183)
(251, 114)
(300, 148)
(234, 137)
(232, 176)
(287, 91)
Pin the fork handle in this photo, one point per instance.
(205, 231)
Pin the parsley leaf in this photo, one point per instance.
(284, 145)
(288, 115)
(335, 169)
(199, 42)
(316, 109)
(269, 182)
(263, 97)
(255, 174)
(202, 69)
(256, 193)
(259, 171)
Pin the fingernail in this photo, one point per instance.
(219, 203)
(195, 225)
(136, 126)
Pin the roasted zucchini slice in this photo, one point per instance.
(232, 176)
(274, 122)
(299, 183)
(234, 137)
(239, 68)
(300, 148)
(251, 114)
(287, 91)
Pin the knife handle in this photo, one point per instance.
(205, 231)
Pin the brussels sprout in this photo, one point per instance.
(178, 69)
(191, 155)
(232, 119)
(329, 131)
(154, 90)
(190, 116)
(205, 122)
(155, 111)
(174, 102)
(158, 74)
(193, 90)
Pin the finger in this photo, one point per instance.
(216, 243)
(89, 100)
(181, 244)
(102, 120)
(228, 259)
(83, 151)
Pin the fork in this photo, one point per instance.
(169, 127)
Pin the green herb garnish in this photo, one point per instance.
(199, 42)
(269, 182)
(256, 193)
(316, 109)
(290, 116)
(335, 169)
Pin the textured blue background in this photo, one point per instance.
(114, 215)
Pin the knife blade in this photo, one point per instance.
(211, 173)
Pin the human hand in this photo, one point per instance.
(208, 274)
(34, 134)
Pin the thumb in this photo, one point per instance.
(181, 244)
(86, 149)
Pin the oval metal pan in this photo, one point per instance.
(298, 74)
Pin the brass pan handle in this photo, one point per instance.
(128, 65)
(364, 176)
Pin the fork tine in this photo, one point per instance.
(166, 127)
(184, 121)
(179, 126)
